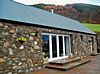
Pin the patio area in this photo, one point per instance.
(92, 67)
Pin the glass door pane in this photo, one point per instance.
(61, 46)
(45, 45)
(54, 46)
(67, 45)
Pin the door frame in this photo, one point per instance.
(57, 41)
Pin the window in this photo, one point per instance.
(56, 46)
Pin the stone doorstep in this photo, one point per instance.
(65, 61)
(95, 54)
(68, 66)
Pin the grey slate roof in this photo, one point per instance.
(11, 10)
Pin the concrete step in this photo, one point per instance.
(68, 66)
(95, 54)
(65, 61)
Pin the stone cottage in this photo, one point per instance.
(30, 36)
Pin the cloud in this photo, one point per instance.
(95, 2)
(58, 2)
(28, 2)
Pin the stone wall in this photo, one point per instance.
(21, 47)
(84, 45)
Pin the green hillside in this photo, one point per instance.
(85, 7)
(93, 27)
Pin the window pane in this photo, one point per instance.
(60, 46)
(54, 46)
(67, 45)
(45, 45)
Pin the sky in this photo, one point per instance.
(58, 2)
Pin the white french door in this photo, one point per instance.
(56, 46)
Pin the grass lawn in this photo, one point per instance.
(93, 27)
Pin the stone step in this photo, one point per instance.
(68, 66)
(65, 61)
(95, 54)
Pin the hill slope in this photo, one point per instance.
(87, 13)
(82, 12)
(93, 27)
